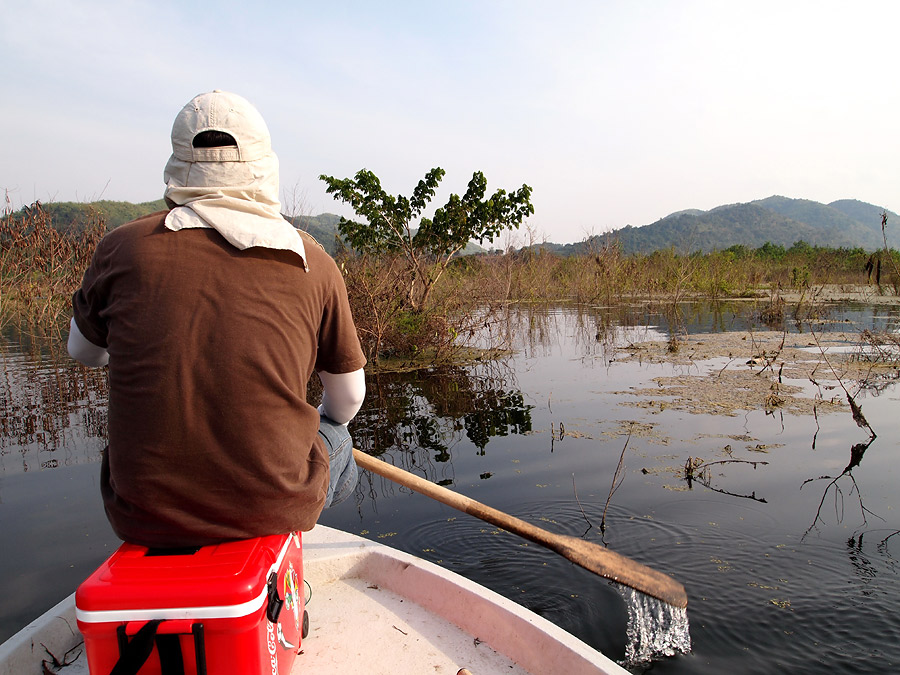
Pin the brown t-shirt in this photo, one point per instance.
(210, 351)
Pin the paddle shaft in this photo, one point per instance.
(590, 556)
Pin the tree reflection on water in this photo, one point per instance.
(47, 400)
(856, 455)
(431, 410)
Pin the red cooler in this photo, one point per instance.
(234, 608)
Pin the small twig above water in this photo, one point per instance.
(730, 461)
(618, 477)
(818, 428)
(855, 408)
(730, 361)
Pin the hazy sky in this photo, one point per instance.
(615, 113)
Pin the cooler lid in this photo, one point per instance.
(222, 580)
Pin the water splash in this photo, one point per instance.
(655, 629)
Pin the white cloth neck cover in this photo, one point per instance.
(238, 199)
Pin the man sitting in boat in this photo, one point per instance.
(212, 317)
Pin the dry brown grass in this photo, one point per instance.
(41, 267)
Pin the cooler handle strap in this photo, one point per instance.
(133, 654)
(171, 661)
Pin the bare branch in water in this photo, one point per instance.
(617, 480)
(770, 359)
(855, 408)
(695, 469)
(887, 249)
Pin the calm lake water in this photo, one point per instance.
(783, 575)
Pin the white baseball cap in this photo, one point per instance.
(226, 112)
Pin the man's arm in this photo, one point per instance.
(343, 394)
(83, 350)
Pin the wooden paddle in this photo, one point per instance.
(592, 557)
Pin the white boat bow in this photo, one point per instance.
(374, 609)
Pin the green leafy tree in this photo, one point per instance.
(770, 251)
(428, 246)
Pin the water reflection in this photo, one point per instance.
(857, 451)
(432, 410)
(515, 434)
(48, 405)
(593, 333)
(864, 568)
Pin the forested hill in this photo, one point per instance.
(323, 227)
(76, 215)
(847, 223)
(66, 215)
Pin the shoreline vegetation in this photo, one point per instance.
(463, 320)
(783, 362)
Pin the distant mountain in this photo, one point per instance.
(868, 213)
(686, 212)
(845, 223)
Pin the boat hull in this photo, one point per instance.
(373, 609)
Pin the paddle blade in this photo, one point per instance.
(611, 565)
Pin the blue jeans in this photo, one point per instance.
(344, 473)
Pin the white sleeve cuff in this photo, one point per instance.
(83, 350)
(343, 394)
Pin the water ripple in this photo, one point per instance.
(750, 586)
